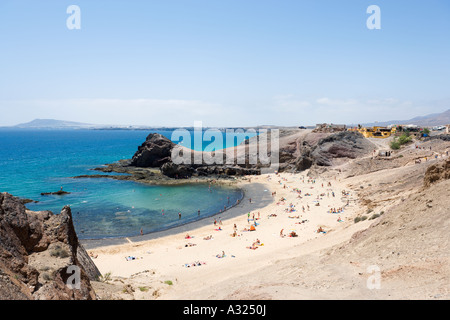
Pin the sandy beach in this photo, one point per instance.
(288, 210)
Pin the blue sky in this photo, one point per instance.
(226, 63)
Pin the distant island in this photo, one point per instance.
(51, 123)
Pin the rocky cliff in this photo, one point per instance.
(154, 152)
(40, 255)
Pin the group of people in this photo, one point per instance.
(338, 210)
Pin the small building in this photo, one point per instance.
(447, 129)
(377, 132)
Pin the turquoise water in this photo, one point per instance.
(35, 161)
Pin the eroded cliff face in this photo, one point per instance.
(436, 172)
(40, 255)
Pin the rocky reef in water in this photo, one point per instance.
(40, 255)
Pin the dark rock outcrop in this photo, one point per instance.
(154, 152)
(443, 137)
(323, 153)
(57, 193)
(38, 251)
(341, 145)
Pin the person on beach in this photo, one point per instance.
(179, 215)
(198, 212)
(221, 256)
(142, 232)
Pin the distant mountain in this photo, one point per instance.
(431, 120)
(52, 124)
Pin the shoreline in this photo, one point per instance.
(255, 191)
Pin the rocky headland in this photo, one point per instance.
(298, 150)
(39, 252)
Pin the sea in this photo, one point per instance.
(39, 161)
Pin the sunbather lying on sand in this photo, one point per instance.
(193, 264)
(129, 258)
(190, 244)
(320, 230)
(293, 234)
(221, 255)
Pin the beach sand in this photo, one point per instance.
(196, 265)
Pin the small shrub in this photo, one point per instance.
(399, 141)
(59, 252)
(395, 145)
(363, 218)
(104, 278)
(168, 282)
(46, 276)
(374, 216)
(357, 219)
(143, 289)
